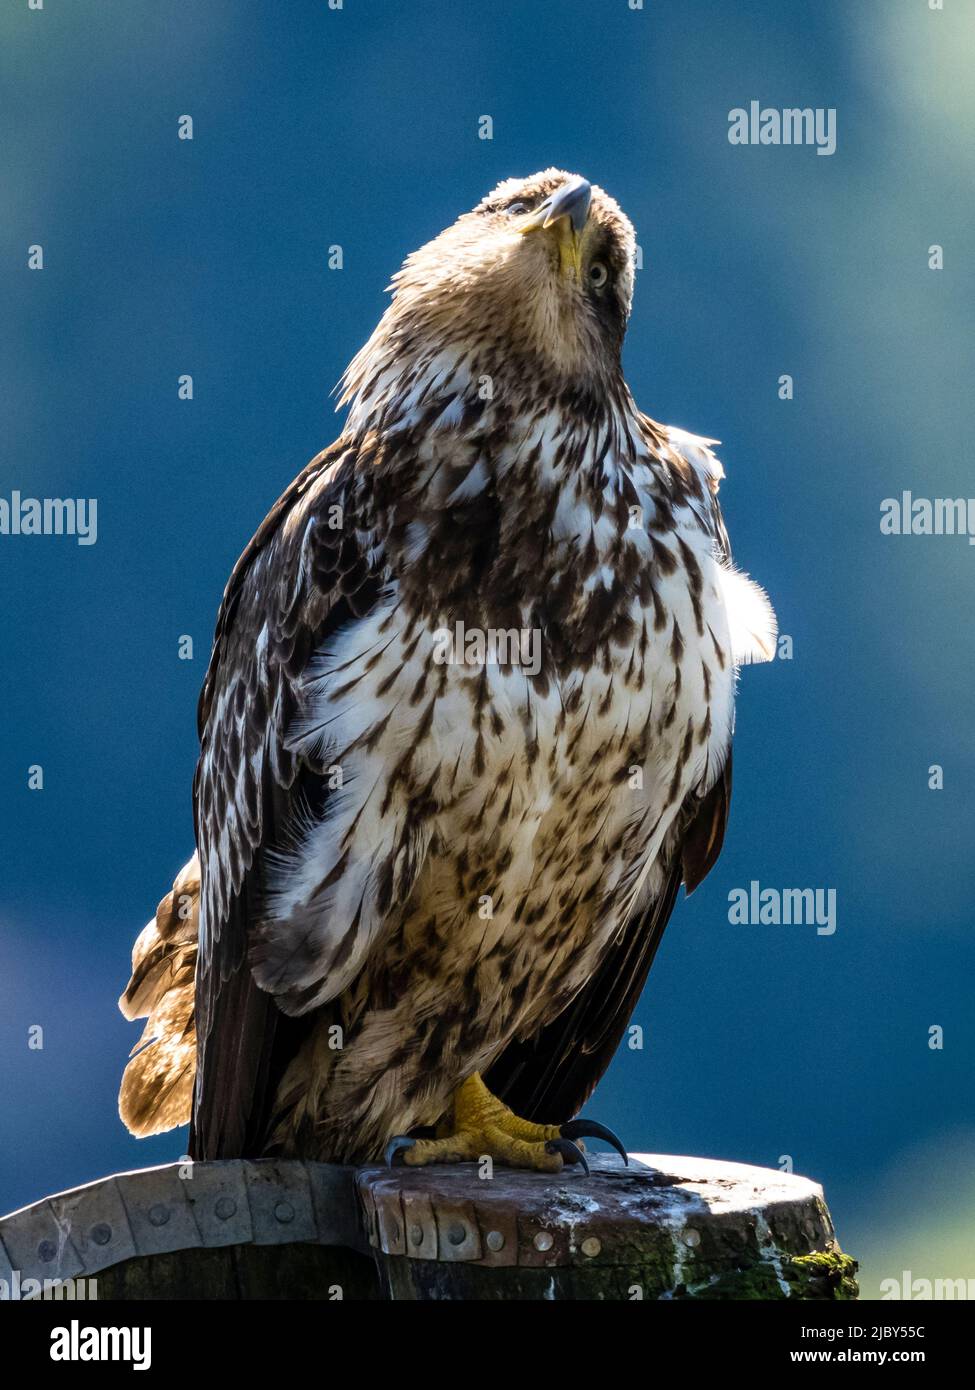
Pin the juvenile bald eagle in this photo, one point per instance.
(466, 727)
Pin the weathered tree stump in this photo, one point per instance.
(663, 1228)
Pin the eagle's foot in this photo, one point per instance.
(481, 1126)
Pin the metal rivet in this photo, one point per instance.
(456, 1233)
(692, 1238)
(225, 1208)
(416, 1235)
(495, 1240)
(158, 1215)
(544, 1240)
(47, 1250)
(284, 1211)
(102, 1233)
(591, 1246)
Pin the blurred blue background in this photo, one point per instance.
(358, 127)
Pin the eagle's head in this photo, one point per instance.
(534, 284)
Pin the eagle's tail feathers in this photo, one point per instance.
(157, 1086)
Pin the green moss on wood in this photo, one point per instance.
(823, 1274)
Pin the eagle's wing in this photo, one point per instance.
(300, 579)
(550, 1076)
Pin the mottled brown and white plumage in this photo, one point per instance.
(412, 869)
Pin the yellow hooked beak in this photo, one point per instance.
(567, 212)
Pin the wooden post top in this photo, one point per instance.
(664, 1227)
(514, 1217)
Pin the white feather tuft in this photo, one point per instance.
(751, 618)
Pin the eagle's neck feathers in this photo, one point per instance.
(428, 385)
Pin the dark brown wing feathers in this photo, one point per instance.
(244, 1040)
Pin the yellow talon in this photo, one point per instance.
(481, 1126)
(478, 1125)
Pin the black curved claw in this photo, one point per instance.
(570, 1152)
(591, 1129)
(396, 1145)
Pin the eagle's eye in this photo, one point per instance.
(598, 275)
(514, 209)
